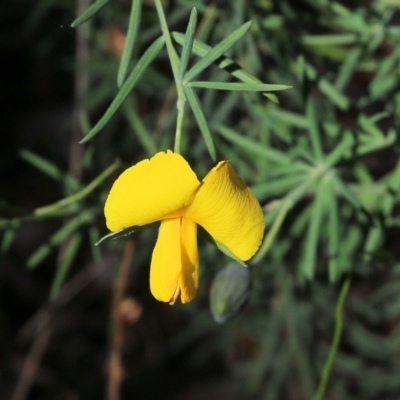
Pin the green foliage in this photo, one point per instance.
(320, 154)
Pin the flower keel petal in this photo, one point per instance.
(165, 269)
(228, 210)
(189, 279)
(149, 191)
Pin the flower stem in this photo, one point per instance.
(269, 239)
(174, 60)
(179, 122)
(79, 195)
(335, 342)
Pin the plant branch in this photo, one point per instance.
(174, 59)
(326, 372)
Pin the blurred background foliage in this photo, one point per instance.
(78, 321)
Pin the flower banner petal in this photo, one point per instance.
(166, 265)
(227, 209)
(189, 279)
(151, 190)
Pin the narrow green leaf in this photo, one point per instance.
(311, 113)
(8, 237)
(118, 234)
(43, 251)
(377, 144)
(277, 186)
(362, 173)
(139, 128)
(70, 227)
(373, 241)
(307, 266)
(187, 45)
(51, 170)
(40, 254)
(84, 121)
(177, 16)
(127, 87)
(172, 54)
(123, 232)
(300, 223)
(385, 76)
(300, 69)
(303, 151)
(53, 208)
(244, 142)
(42, 164)
(340, 150)
(224, 109)
(255, 87)
(329, 40)
(338, 98)
(90, 12)
(293, 168)
(298, 192)
(382, 87)
(202, 49)
(278, 127)
(379, 116)
(201, 120)
(131, 35)
(94, 237)
(369, 126)
(347, 68)
(393, 183)
(344, 190)
(217, 51)
(291, 118)
(66, 262)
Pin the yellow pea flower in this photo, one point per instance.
(165, 188)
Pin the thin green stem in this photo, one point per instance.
(179, 122)
(273, 232)
(174, 60)
(79, 195)
(326, 372)
(172, 54)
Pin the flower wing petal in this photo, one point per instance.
(189, 279)
(228, 210)
(166, 265)
(151, 190)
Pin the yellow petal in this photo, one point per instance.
(228, 210)
(150, 191)
(165, 270)
(189, 279)
(175, 262)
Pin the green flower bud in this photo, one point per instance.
(229, 291)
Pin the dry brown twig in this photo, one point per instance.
(43, 336)
(115, 368)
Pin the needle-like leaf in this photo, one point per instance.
(133, 28)
(216, 52)
(126, 88)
